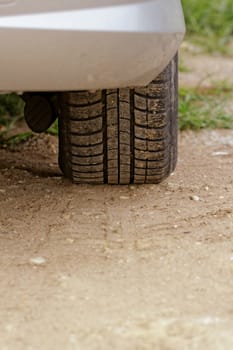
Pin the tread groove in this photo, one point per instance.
(147, 127)
(132, 131)
(105, 135)
(87, 146)
(86, 165)
(86, 119)
(74, 133)
(85, 105)
(158, 97)
(87, 156)
(119, 140)
(145, 139)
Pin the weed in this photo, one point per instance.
(210, 23)
(182, 67)
(11, 110)
(18, 138)
(53, 130)
(205, 107)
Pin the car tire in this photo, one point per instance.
(120, 136)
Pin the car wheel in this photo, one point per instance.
(120, 136)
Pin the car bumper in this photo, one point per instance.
(92, 48)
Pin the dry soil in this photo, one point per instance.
(135, 267)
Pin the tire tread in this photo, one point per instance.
(121, 136)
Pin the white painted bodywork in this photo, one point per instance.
(58, 45)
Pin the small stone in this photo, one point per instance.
(195, 198)
(107, 251)
(2, 191)
(73, 339)
(9, 328)
(143, 244)
(38, 261)
(66, 216)
(207, 188)
(220, 153)
(124, 197)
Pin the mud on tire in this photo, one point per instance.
(120, 136)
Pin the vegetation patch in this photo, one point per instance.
(210, 23)
(11, 112)
(16, 139)
(11, 115)
(201, 108)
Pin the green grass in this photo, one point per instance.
(182, 66)
(11, 111)
(16, 139)
(10, 105)
(53, 130)
(210, 23)
(201, 108)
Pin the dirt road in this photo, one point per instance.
(138, 267)
(148, 267)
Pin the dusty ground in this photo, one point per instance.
(139, 267)
(204, 70)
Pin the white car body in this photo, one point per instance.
(58, 45)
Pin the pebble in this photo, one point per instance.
(66, 216)
(73, 339)
(39, 260)
(220, 153)
(2, 191)
(9, 328)
(124, 197)
(195, 198)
